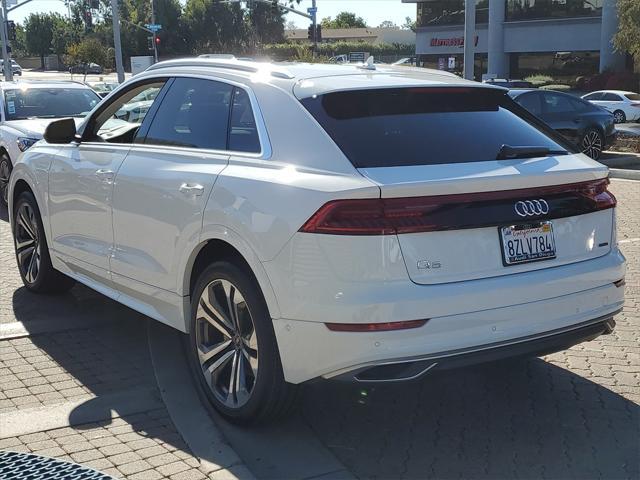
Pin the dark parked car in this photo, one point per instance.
(86, 68)
(589, 127)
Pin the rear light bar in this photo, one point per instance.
(375, 327)
(390, 216)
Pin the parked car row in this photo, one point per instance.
(343, 222)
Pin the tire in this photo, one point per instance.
(592, 143)
(5, 172)
(32, 252)
(219, 350)
(619, 116)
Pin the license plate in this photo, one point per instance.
(526, 243)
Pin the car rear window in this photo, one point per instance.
(632, 96)
(424, 126)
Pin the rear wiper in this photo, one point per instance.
(508, 152)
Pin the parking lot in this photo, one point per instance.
(78, 381)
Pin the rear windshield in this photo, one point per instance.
(632, 96)
(424, 126)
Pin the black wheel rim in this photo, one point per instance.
(226, 343)
(618, 117)
(28, 248)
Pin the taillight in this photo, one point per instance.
(375, 327)
(390, 216)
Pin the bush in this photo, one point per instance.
(539, 80)
(557, 87)
(612, 81)
(293, 51)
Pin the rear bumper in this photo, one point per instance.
(310, 350)
(532, 346)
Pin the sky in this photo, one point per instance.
(373, 11)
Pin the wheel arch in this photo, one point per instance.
(221, 243)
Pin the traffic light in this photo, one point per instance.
(150, 43)
(318, 33)
(157, 41)
(310, 32)
(11, 30)
(88, 19)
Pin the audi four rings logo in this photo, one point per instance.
(531, 208)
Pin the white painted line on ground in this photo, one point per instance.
(96, 409)
(19, 329)
(629, 240)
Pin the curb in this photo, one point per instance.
(624, 174)
(217, 458)
(286, 450)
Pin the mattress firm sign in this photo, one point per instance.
(448, 41)
(451, 42)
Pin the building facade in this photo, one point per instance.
(368, 35)
(517, 38)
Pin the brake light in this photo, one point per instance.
(375, 327)
(390, 216)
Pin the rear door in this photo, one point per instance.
(459, 212)
(561, 114)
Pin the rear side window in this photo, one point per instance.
(194, 113)
(530, 101)
(423, 126)
(243, 134)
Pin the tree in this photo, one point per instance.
(387, 24)
(627, 39)
(409, 24)
(89, 50)
(344, 20)
(38, 29)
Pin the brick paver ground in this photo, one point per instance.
(574, 414)
(49, 369)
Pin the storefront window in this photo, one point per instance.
(562, 66)
(547, 9)
(449, 12)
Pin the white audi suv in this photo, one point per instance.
(350, 222)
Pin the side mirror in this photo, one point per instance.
(61, 131)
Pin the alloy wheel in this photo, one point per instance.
(4, 181)
(592, 144)
(28, 247)
(618, 117)
(226, 343)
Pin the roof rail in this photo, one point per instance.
(229, 64)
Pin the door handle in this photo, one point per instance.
(191, 189)
(105, 174)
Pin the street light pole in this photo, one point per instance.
(115, 15)
(315, 27)
(8, 73)
(155, 45)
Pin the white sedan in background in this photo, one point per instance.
(625, 106)
(26, 108)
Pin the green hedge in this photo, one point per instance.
(288, 51)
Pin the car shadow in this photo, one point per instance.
(511, 419)
(94, 352)
(4, 213)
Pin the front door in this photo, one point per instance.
(81, 180)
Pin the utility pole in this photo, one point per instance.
(115, 15)
(469, 38)
(8, 73)
(313, 12)
(153, 21)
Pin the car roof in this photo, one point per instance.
(620, 92)
(41, 84)
(309, 79)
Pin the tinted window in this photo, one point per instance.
(611, 97)
(48, 102)
(243, 135)
(555, 103)
(530, 101)
(194, 113)
(423, 126)
(633, 96)
(593, 96)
